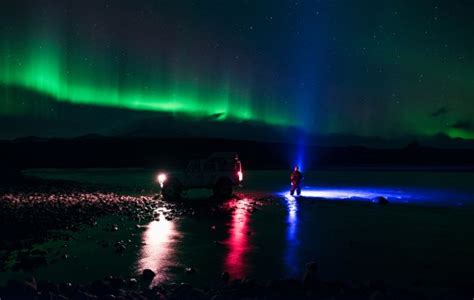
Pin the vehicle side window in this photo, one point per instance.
(225, 165)
(210, 166)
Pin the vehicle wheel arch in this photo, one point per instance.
(172, 188)
(223, 187)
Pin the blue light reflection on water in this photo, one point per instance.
(364, 194)
(394, 195)
(292, 236)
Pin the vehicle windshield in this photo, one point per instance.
(193, 167)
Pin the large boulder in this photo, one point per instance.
(148, 275)
(381, 200)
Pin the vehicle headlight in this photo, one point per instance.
(161, 178)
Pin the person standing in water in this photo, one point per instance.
(296, 177)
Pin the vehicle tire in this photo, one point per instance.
(171, 189)
(223, 188)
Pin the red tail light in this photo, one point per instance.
(240, 175)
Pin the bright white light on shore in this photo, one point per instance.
(161, 178)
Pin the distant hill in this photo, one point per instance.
(153, 152)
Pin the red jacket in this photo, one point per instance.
(296, 177)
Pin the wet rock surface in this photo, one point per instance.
(36, 210)
(35, 206)
(381, 200)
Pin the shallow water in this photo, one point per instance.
(426, 233)
(444, 188)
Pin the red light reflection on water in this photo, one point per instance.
(157, 252)
(238, 241)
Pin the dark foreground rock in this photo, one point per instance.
(119, 288)
(381, 200)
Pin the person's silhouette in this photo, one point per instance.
(296, 177)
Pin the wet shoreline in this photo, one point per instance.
(64, 215)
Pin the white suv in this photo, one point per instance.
(220, 171)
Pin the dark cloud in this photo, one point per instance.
(463, 125)
(439, 112)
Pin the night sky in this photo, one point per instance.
(369, 68)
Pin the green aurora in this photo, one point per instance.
(405, 71)
(43, 68)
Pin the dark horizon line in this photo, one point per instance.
(364, 141)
